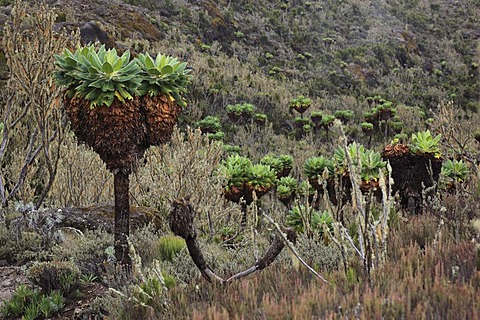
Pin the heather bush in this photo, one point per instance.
(29, 106)
(169, 246)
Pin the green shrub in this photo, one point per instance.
(169, 246)
(4, 3)
(169, 280)
(62, 276)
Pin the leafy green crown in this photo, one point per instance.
(98, 76)
(241, 108)
(300, 101)
(424, 142)
(102, 75)
(164, 74)
(370, 161)
(315, 166)
(239, 171)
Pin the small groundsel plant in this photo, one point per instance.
(241, 109)
(231, 149)
(454, 172)
(32, 304)
(382, 110)
(425, 143)
(316, 117)
(369, 161)
(339, 159)
(281, 164)
(314, 167)
(273, 161)
(327, 120)
(217, 136)
(367, 128)
(287, 160)
(286, 188)
(371, 164)
(260, 117)
(344, 115)
(236, 170)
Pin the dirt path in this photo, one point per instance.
(10, 279)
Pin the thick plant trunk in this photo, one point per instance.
(122, 220)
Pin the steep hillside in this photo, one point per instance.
(413, 52)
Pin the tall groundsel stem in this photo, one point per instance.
(122, 220)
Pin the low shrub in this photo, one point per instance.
(62, 276)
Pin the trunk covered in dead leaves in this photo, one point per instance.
(415, 175)
(120, 134)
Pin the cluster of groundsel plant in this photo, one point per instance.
(307, 219)
(282, 164)
(369, 161)
(101, 75)
(243, 176)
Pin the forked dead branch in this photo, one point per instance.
(182, 224)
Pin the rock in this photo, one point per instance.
(90, 32)
(101, 217)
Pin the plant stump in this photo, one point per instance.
(120, 134)
(415, 176)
